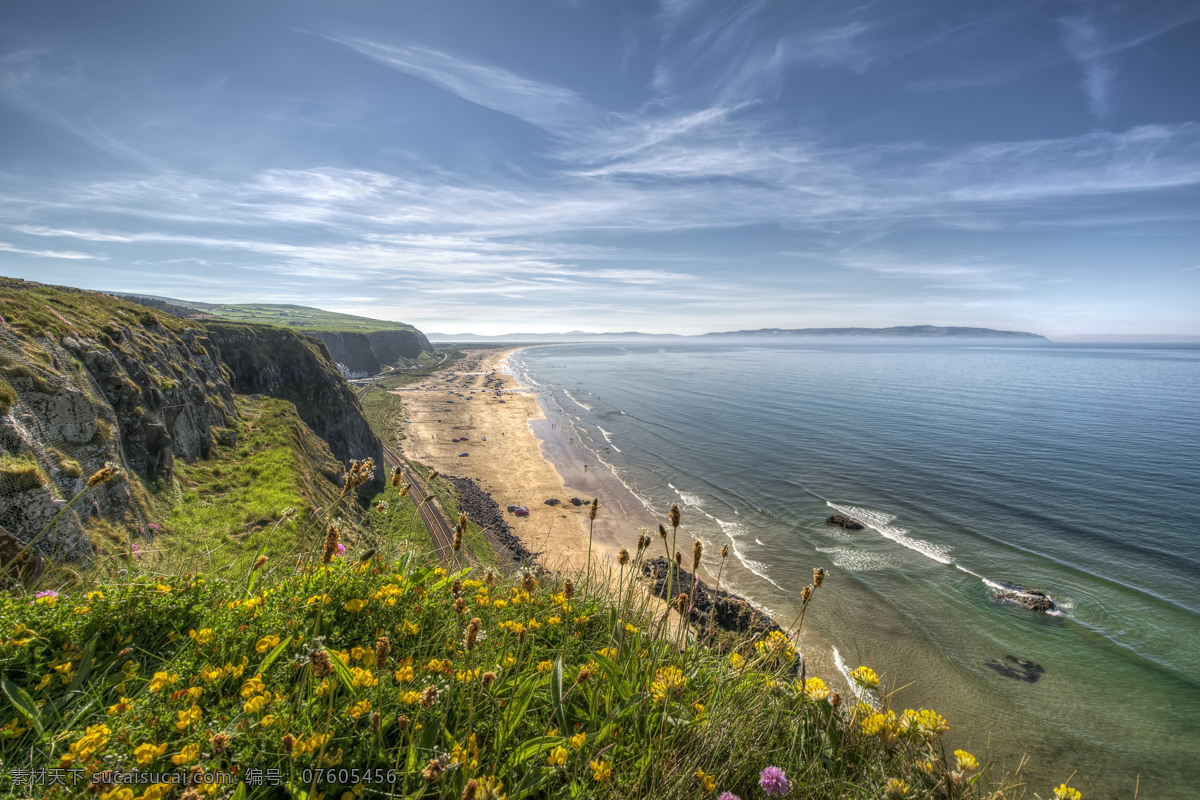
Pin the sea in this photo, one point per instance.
(1072, 470)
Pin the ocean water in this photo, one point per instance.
(1074, 470)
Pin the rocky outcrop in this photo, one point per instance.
(368, 352)
(112, 384)
(295, 367)
(1032, 599)
(1018, 668)
(719, 609)
(844, 522)
(482, 509)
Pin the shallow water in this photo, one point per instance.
(1070, 469)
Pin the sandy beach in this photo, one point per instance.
(522, 458)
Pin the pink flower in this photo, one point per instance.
(341, 549)
(774, 781)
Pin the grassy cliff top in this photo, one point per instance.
(304, 318)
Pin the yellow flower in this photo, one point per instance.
(404, 674)
(544, 666)
(203, 636)
(187, 754)
(698, 709)
(509, 662)
(362, 678)
(162, 680)
(865, 677)
(253, 686)
(966, 761)
(736, 661)
(896, 788)
(119, 793)
(119, 707)
(360, 708)
(776, 647)
(410, 698)
(875, 724)
(816, 689)
(156, 792)
(188, 718)
(92, 597)
(552, 621)
(609, 652)
(666, 681)
(578, 740)
(630, 630)
(146, 753)
(256, 704)
(707, 782)
(355, 605)
(410, 628)
(92, 742)
(601, 770)
(266, 643)
(83, 611)
(558, 756)
(500, 605)
(1064, 792)
(267, 721)
(210, 674)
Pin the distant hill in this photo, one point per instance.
(899, 332)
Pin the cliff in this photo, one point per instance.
(368, 352)
(87, 379)
(298, 368)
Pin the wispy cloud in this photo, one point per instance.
(71, 255)
(1084, 40)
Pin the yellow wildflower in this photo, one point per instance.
(544, 666)
(666, 681)
(156, 792)
(966, 761)
(146, 753)
(362, 678)
(509, 662)
(707, 782)
(210, 674)
(256, 704)
(88, 745)
(162, 680)
(865, 677)
(578, 740)
(601, 770)
(895, 788)
(188, 718)
(266, 643)
(630, 630)
(736, 661)
(1064, 792)
(203, 636)
(360, 708)
(404, 674)
(120, 707)
(816, 689)
(876, 724)
(186, 755)
(558, 756)
(253, 686)
(410, 698)
(355, 605)
(119, 793)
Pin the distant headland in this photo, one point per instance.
(905, 332)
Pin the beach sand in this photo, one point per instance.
(521, 458)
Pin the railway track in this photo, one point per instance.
(440, 530)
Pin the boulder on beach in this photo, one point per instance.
(845, 522)
(553, 501)
(575, 501)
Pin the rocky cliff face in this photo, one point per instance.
(103, 383)
(87, 379)
(367, 352)
(295, 367)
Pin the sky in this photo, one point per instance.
(676, 166)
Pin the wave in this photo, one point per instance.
(879, 521)
(608, 438)
(862, 694)
(693, 500)
(571, 397)
(735, 531)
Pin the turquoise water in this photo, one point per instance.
(1074, 470)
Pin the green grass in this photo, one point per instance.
(19, 474)
(8, 396)
(370, 665)
(232, 502)
(303, 318)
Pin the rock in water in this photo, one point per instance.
(845, 522)
(1030, 598)
(1019, 668)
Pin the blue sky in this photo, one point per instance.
(671, 166)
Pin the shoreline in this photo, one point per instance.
(531, 455)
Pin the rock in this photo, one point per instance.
(1032, 599)
(1018, 668)
(482, 509)
(575, 501)
(721, 609)
(553, 501)
(844, 522)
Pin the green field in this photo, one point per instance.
(303, 318)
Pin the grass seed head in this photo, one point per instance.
(623, 557)
(569, 589)
(674, 515)
(594, 508)
(473, 633)
(818, 578)
(662, 532)
(332, 536)
(433, 771)
(383, 646)
(697, 553)
(725, 551)
(258, 563)
(321, 665)
(397, 477)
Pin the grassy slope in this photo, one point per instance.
(303, 318)
(580, 699)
